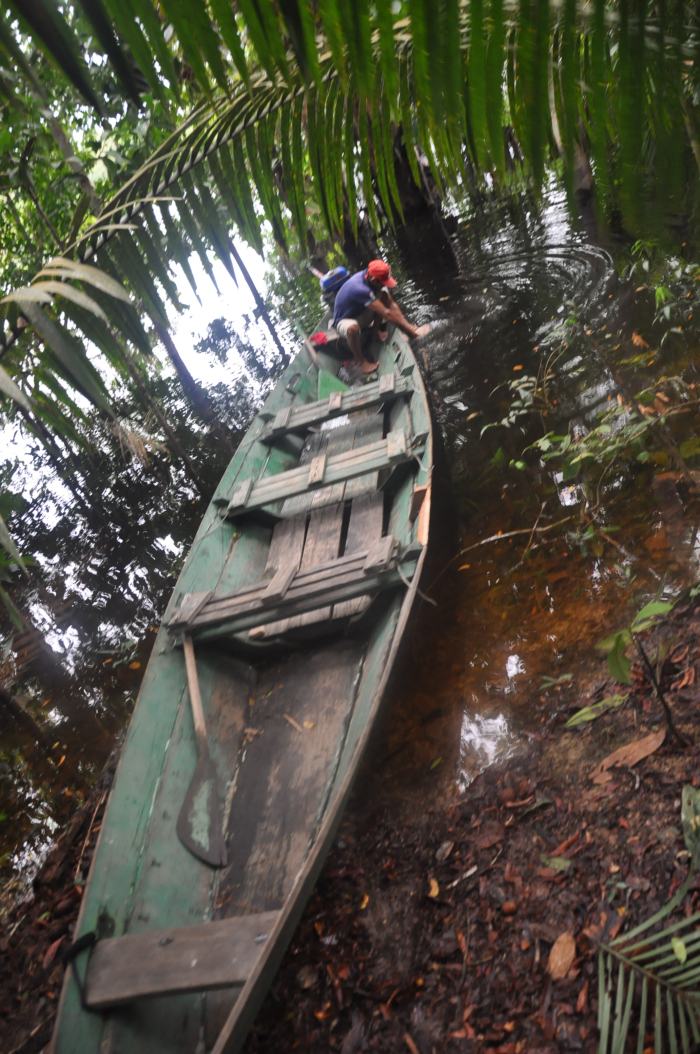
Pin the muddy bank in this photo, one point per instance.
(38, 929)
(433, 933)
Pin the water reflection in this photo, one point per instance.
(514, 617)
(513, 638)
(483, 740)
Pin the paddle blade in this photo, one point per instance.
(199, 825)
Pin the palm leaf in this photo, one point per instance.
(663, 960)
(9, 546)
(59, 42)
(70, 354)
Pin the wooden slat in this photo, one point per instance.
(394, 450)
(298, 601)
(368, 431)
(322, 538)
(171, 961)
(365, 527)
(385, 390)
(287, 543)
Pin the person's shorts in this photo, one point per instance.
(364, 321)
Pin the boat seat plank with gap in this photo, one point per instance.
(289, 420)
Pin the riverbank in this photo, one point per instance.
(435, 931)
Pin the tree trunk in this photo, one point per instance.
(260, 303)
(194, 392)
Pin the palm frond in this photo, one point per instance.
(655, 964)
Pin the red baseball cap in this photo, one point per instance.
(379, 271)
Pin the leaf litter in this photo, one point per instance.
(543, 866)
(530, 869)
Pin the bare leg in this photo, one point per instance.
(353, 339)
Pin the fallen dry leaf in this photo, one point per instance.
(51, 954)
(638, 341)
(561, 956)
(629, 755)
(582, 1001)
(307, 976)
(489, 835)
(688, 678)
(444, 851)
(434, 888)
(365, 902)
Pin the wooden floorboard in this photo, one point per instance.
(282, 773)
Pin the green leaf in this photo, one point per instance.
(690, 819)
(679, 949)
(557, 863)
(690, 448)
(476, 81)
(590, 713)
(59, 42)
(8, 386)
(224, 14)
(144, 36)
(648, 614)
(9, 546)
(495, 55)
(16, 618)
(619, 665)
(71, 356)
(435, 763)
(71, 293)
(66, 268)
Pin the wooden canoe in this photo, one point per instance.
(296, 593)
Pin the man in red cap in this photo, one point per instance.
(364, 301)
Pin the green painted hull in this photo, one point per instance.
(284, 790)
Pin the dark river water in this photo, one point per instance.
(512, 638)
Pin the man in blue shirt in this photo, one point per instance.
(364, 301)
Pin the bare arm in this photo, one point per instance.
(391, 312)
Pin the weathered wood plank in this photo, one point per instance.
(393, 450)
(344, 587)
(282, 778)
(387, 389)
(367, 431)
(174, 960)
(287, 543)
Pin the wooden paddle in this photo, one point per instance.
(199, 825)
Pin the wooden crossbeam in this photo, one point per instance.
(254, 494)
(171, 961)
(385, 390)
(358, 574)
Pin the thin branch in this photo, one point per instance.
(532, 535)
(662, 698)
(501, 538)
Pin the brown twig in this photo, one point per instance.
(89, 831)
(662, 699)
(501, 538)
(529, 541)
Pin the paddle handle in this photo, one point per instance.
(200, 727)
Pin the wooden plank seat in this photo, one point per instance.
(364, 528)
(323, 470)
(171, 961)
(299, 420)
(382, 566)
